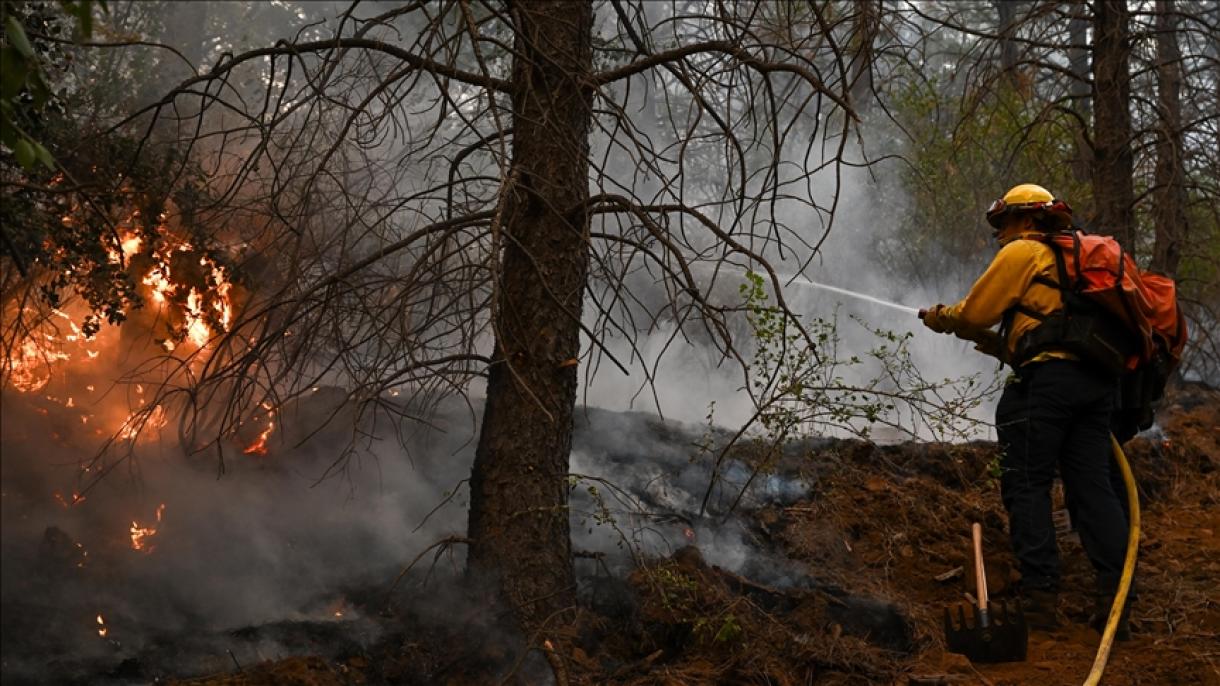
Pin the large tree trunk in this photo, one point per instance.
(1169, 200)
(864, 34)
(1078, 64)
(1113, 192)
(1007, 12)
(518, 487)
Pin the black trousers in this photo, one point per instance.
(1057, 416)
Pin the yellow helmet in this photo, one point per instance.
(1029, 197)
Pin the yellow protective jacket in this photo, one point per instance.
(1008, 282)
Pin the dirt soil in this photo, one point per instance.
(870, 557)
(893, 520)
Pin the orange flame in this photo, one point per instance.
(77, 499)
(101, 627)
(129, 244)
(203, 314)
(337, 608)
(30, 368)
(259, 446)
(194, 312)
(133, 428)
(141, 534)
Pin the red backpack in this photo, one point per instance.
(1115, 315)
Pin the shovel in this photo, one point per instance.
(986, 632)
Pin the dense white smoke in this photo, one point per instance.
(691, 377)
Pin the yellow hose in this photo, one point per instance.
(1124, 584)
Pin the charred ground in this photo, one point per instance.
(852, 552)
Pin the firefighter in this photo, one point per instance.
(1054, 412)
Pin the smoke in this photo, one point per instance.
(834, 221)
(264, 543)
(681, 376)
(269, 542)
(675, 493)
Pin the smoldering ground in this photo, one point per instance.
(235, 558)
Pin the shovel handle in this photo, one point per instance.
(980, 574)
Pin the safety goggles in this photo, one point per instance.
(999, 207)
(997, 210)
(1053, 205)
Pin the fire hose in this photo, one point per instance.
(1124, 583)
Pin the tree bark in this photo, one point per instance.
(519, 522)
(1007, 12)
(864, 34)
(1169, 199)
(1082, 105)
(1113, 161)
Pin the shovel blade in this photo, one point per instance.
(1004, 639)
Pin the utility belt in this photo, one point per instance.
(1081, 328)
(1104, 344)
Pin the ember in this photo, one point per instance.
(140, 534)
(138, 424)
(77, 499)
(259, 446)
(30, 368)
(101, 627)
(337, 608)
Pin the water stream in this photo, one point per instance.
(854, 294)
(802, 281)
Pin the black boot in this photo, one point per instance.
(1041, 609)
(1101, 614)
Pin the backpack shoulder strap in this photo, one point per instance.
(1060, 264)
(1011, 313)
(1064, 283)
